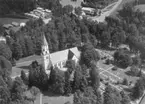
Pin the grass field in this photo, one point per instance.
(120, 6)
(70, 2)
(54, 99)
(10, 20)
(140, 7)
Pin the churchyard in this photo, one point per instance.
(115, 77)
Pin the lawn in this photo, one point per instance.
(140, 7)
(49, 99)
(10, 20)
(33, 57)
(70, 2)
(23, 64)
(121, 6)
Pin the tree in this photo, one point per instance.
(5, 96)
(24, 77)
(138, 90)
(134, 70)
(89, 54)
(5, 65)
(5, 51)
(67, 9)
(123, 59)
(111, 96)
(57, 81)
(17, 51)
(68, 88)
(136, 61)
(105, 38)
(34, 90)
(18, 89)
(70, 64)
(38, 77)
(78, 11)
(29, 46)
(94, 76)
(77, 97)
(125, 98)
(99, 97)
(125, 82)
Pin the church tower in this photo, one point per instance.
(46, 55)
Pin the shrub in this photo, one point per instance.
(122, 59)
(108, 62)
(125, 82)
(114, 68)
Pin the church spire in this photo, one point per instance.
(44, 41)
(45, 55)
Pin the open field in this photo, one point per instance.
(33, 57)
(52, 99)
(140, 7)
(121, 6)
(10, 20)
(70, 2)
(23, 64)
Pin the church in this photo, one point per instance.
(58, 59)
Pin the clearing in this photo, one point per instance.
(140, 7)
(8, 20)
(120, 6)
(76, 3)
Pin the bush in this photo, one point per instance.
(108, 62)
(114, 68)
(134, 70)
(122, 59)
(125, 82)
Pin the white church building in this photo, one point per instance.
(58, 59)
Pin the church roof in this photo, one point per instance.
(64, 54)
(59, 56)
(76, 52)
(70, 54)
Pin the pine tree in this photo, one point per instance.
(68, 88)
(38, 77)
(24, 77)
(29, 46)
(17, 51)
(125, 98)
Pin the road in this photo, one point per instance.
(142, 101)
(106, 13)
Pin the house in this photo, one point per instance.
(15, 24)
(2, 39)
(88, 10)
(22, 24)
(58, 59)
(7, 26)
